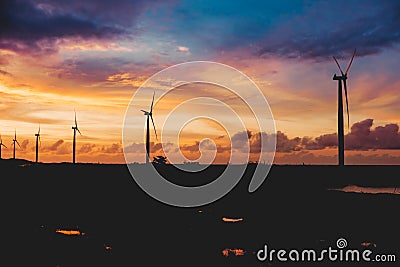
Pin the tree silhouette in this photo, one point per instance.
(160, 160)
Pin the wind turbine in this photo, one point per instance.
(340, 79)
(37, 144)
(15, 141)
(1, 144)
(75, 128)
(149, 115)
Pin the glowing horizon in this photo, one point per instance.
(78, 57)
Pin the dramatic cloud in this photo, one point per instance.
(140, 147)
(283, 143)
(86, 148)
(114, 148)
(320, 142)
(206, 144)
(54, 146)
(34, 26)
(24, 144)
(361, 137)
(324, 29)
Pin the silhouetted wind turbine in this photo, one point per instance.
(15, 141)
(37, 144)
(149, 115)
(75, 128)
(1, 144)
(340, 79)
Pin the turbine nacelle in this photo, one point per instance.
(75, 128)
(341, 77)
(38, 133)
(15, 139)
(146, 113)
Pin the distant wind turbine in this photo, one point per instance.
(15, 141)
(1, 144)
(75, 128)
(340, 79)
(149, 115)
(37, 144)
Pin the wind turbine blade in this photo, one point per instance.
(40, 142)
(17, 143)
(351, 61)
(144, 111)
(154, 126)
(337, 63)
(347, 104)
(3, 144)
(152, 102)
(76, 123)
(39, 129)
(78, 131)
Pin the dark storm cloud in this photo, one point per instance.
(325, 28)
(33, 26)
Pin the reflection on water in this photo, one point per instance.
(234, 251)
(225, 219)
(368, 244)
(368, 190)
(70, 232)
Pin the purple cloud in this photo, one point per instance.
(31, 26)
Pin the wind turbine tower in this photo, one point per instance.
(342, 79)
(15, 141)
(149, 115)
(75, 128)
(37, 144)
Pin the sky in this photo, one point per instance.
(92, 56)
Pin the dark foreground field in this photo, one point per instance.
(123, 226)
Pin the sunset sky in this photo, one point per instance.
(91, 56)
